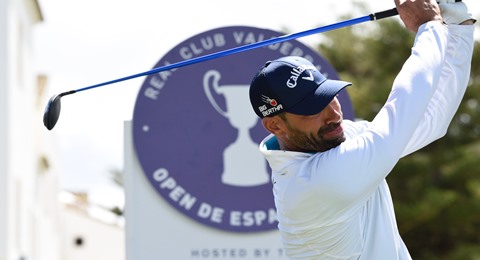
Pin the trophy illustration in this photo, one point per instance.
(243, 163)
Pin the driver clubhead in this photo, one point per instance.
(52, 112)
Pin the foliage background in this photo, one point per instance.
(436, 191)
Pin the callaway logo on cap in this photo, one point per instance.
(292, 84)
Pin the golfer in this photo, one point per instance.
(329, 174)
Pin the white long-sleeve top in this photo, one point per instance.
(337, 204)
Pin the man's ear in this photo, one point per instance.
(274, 125)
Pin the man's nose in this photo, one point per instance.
(332, 114)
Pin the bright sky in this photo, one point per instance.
(82, 43)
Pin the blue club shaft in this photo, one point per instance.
(370, 17)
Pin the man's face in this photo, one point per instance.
(314, 133)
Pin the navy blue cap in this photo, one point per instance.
(292, 84)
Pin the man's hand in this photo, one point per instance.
(455, 12)
(414, 13)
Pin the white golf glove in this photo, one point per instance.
(454, 12)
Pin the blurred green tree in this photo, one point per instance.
(436, 191)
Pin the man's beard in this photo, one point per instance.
(315, 142)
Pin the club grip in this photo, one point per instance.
(389, 13)
(383, 14)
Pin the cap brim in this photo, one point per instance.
(319, 99)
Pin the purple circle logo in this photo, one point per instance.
(196, 135)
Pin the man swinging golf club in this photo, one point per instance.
(329, 174)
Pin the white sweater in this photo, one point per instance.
(337, 204)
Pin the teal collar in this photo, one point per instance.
(272, 144)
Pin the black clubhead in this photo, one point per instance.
(52, 112)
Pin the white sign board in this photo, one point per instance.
(196, 184)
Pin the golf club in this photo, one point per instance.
(52, 110)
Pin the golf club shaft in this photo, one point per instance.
(370, 17)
